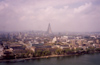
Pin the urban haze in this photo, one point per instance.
(63, 15)
(49, 32)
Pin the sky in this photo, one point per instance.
(63, 15)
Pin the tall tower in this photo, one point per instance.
(49, 31)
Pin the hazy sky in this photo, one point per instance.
(63, 15)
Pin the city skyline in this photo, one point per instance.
(70, 15)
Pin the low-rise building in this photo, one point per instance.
(1, 50)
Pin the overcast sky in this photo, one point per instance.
(63, 15)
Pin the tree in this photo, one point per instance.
(38, 53)
(58, 51)
(46, 52)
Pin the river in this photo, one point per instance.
(87, 59)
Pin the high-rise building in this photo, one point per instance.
(49, 31)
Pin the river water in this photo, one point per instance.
(88, 59)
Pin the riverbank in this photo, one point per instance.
(33, 58)
(23, 59)
(86, 59)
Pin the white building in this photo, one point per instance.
(54, 40)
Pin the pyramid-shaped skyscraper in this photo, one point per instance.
(49, 31)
